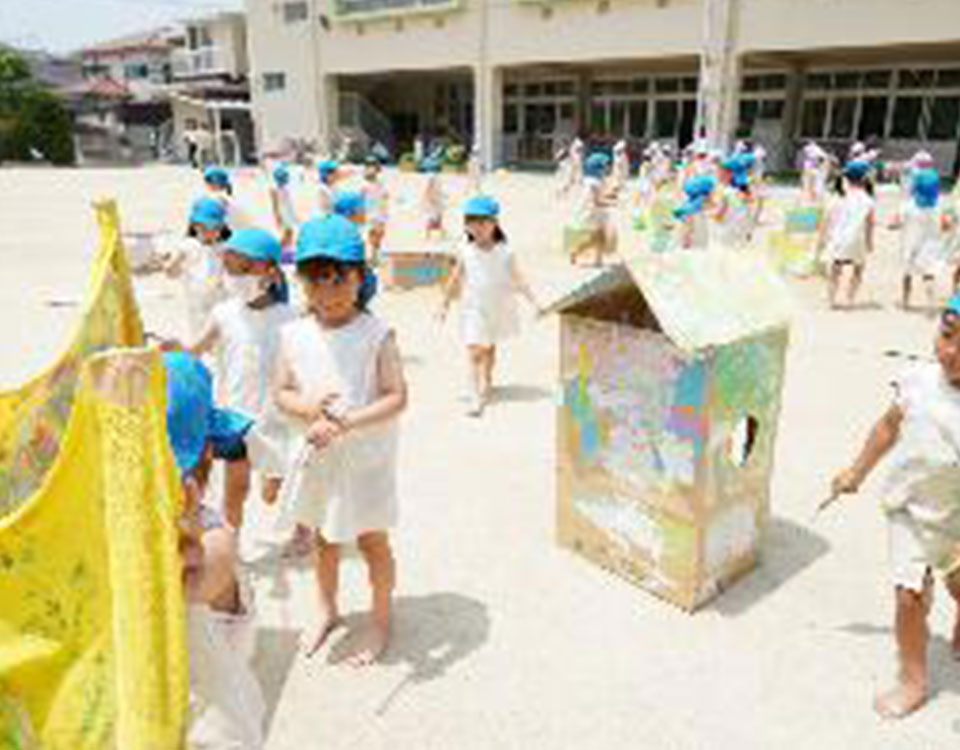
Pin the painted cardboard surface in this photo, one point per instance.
(407, 270)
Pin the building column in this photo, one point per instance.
(791, 115)
(488, 114)
(718, 105)
(328, 110)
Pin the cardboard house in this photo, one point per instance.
(671, 369)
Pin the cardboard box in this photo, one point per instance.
(671, 367)
(408, 270)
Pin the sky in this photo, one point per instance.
(66, 25)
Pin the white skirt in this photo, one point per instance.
(487, 325)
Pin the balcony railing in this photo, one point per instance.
(349, 10)
(199, 62)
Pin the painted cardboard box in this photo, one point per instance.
(671, 373)
(408, 270)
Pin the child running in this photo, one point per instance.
(848, 231)
(694, 230)
(245, 327)
(922, 503)
(340, 378)
(487, 275)
(434, 201)
(377, 199)
(592, 213)
(922, 242)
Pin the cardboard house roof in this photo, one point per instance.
(700, 299)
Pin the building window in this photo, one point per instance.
(667, 116)
(915, 79)
(873, 117)
(136, 70)
(842, 115)
(906, 117)
(814, 115)
(847, 80)
(948, 79)
(274, 81)
(295, 12)
(770, 109)
(944, 114)
(511, 122)
(877, 79)
(638, 119)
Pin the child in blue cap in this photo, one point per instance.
(924, 224)
(328, 171)
(340, 378)
(244, 328)
(847, 234)
(219, 186)
(488, 278)
(377, 199)
(434, 201)
(732, 211)
(693, 214)
(592, 212)
(284, 210)
(227, 705)
(198, 261)
(921, 498)
(351, 205)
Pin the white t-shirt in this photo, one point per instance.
(202, 274)
(248, 346)
(285, 208)
(922, 244)
(847, 238)
(924, 478)
(589, 212)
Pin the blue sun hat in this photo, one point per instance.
(327, 167)
(209, 212)
(338, 239)
(953, 305)
(256, 244)
(857, 169)
(281, 174)
(481, 206)
(925, 188)
(349, 204)
(596, 165)
(697, 189)
(216, 176)
(192, 419)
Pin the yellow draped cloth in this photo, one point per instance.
(92, 637)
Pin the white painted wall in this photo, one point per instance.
(278, 47)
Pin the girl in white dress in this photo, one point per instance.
(488, 277)
(339, 377)
(328, 171)
(284, 211)
(848, 231)
(922, 242)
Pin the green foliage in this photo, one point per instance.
(456, 155)
(31, 118)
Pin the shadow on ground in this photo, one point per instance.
(513, 394)
(431, 634)
(276, 650)
(944, 669)
(788, 549)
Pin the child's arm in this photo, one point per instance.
(521, 284)
(288, 396)
(451, 287)
(871, 221)
(882, 438)
(391, 387)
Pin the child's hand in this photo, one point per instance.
(847, 482)
(323, 432)
(323, 406)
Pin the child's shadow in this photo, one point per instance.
(276, 650)
(944, 669)
(430, 634)
(507, 394)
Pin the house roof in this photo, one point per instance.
(103, 87)
(700, 299)
(153, 40)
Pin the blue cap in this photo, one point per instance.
(192, 419)
(953, 304)
(349, 203)
(208, 211)
(281, 174)
(216, 176)
(926, 187)
(485, 206)
(327, 167)
(596, 165)
(700, 186)
(255, 243)
(856, 169)
(332, 237)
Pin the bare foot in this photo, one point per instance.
(900, 701)
(327, 628)
(369, 647)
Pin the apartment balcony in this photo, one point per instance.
(200, 62)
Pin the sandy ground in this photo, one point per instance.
(502, 639)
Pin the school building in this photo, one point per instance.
(520, 77)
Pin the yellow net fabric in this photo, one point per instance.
(33, 417)
(92, 642)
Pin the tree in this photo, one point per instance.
(32, 119)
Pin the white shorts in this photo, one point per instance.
(915, 550)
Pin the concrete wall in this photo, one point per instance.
(277, 47)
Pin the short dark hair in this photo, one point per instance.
(225, 233)
(498, 234)
(312, 268)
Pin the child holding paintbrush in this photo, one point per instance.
(922, 501)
